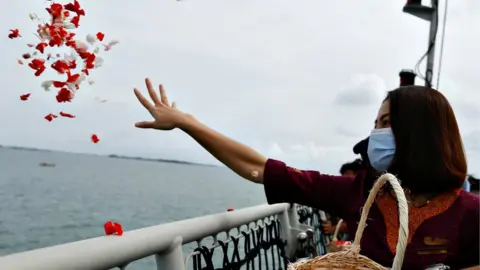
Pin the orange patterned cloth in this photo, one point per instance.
(388, 206)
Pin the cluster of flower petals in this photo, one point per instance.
(58, 32)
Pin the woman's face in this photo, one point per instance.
(383, 116)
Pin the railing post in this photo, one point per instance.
(293, 215)
(286, 234)
(173, 257)
(290, 229)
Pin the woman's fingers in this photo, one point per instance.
(145, 124)
(151, 92)
(149, 106)
(163, 95)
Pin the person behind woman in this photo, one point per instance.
(415, 137)
(474, 184)
(351, 168)
(348, 169)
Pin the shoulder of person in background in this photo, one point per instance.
(474, 184)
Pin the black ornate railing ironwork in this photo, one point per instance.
(257, 248)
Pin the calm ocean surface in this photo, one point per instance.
(43, 206)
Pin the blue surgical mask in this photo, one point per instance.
(381, 148)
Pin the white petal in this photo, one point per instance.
(98, 62)
(46, 85)
(68, 25)
(81, 79)
(113, 42)
(91, 39)
(109, 46)
(73, 55)
(80, 45)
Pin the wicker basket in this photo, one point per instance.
(333, 246)
(350, 257)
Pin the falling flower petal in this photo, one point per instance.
(38, 65)
(55, 32)
(95, 138)
(91, 39)
(25, 97)
(64, 114)
(109, 46)
(98, 62)
(100, 36)
(41, 46)
(49, 117)
(14, 33)
(64, 95)
(47, 84)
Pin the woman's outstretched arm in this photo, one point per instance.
(281, 183)
(240, 158)
(243, 160)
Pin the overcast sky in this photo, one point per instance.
(299, 80)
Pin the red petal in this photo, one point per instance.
(25, 97)
(100, 36)
(113, 228)
(14, 33)
(64, 114)
(108, 226)
(58, 84)
(95, 138)
(64, 95)
(118, 228)
(41, 47)
(49, 117)
(72, 78)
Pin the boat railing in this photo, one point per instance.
(266, 235)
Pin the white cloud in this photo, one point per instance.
(271, 74)
(363, 90)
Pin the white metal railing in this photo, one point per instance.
(164, 241)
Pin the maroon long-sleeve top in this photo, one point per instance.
(446, 230)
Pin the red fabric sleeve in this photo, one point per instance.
(337, 195)
(470, 232)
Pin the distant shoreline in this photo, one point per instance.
(113, 156)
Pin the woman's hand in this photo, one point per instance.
(243, 160)
(166, 116)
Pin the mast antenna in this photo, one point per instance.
(430, 14)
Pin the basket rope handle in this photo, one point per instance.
(402, 216)
(337, 230)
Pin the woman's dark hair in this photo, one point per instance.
(354, 166)
(429, 155)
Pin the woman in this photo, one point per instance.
(416, 137)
